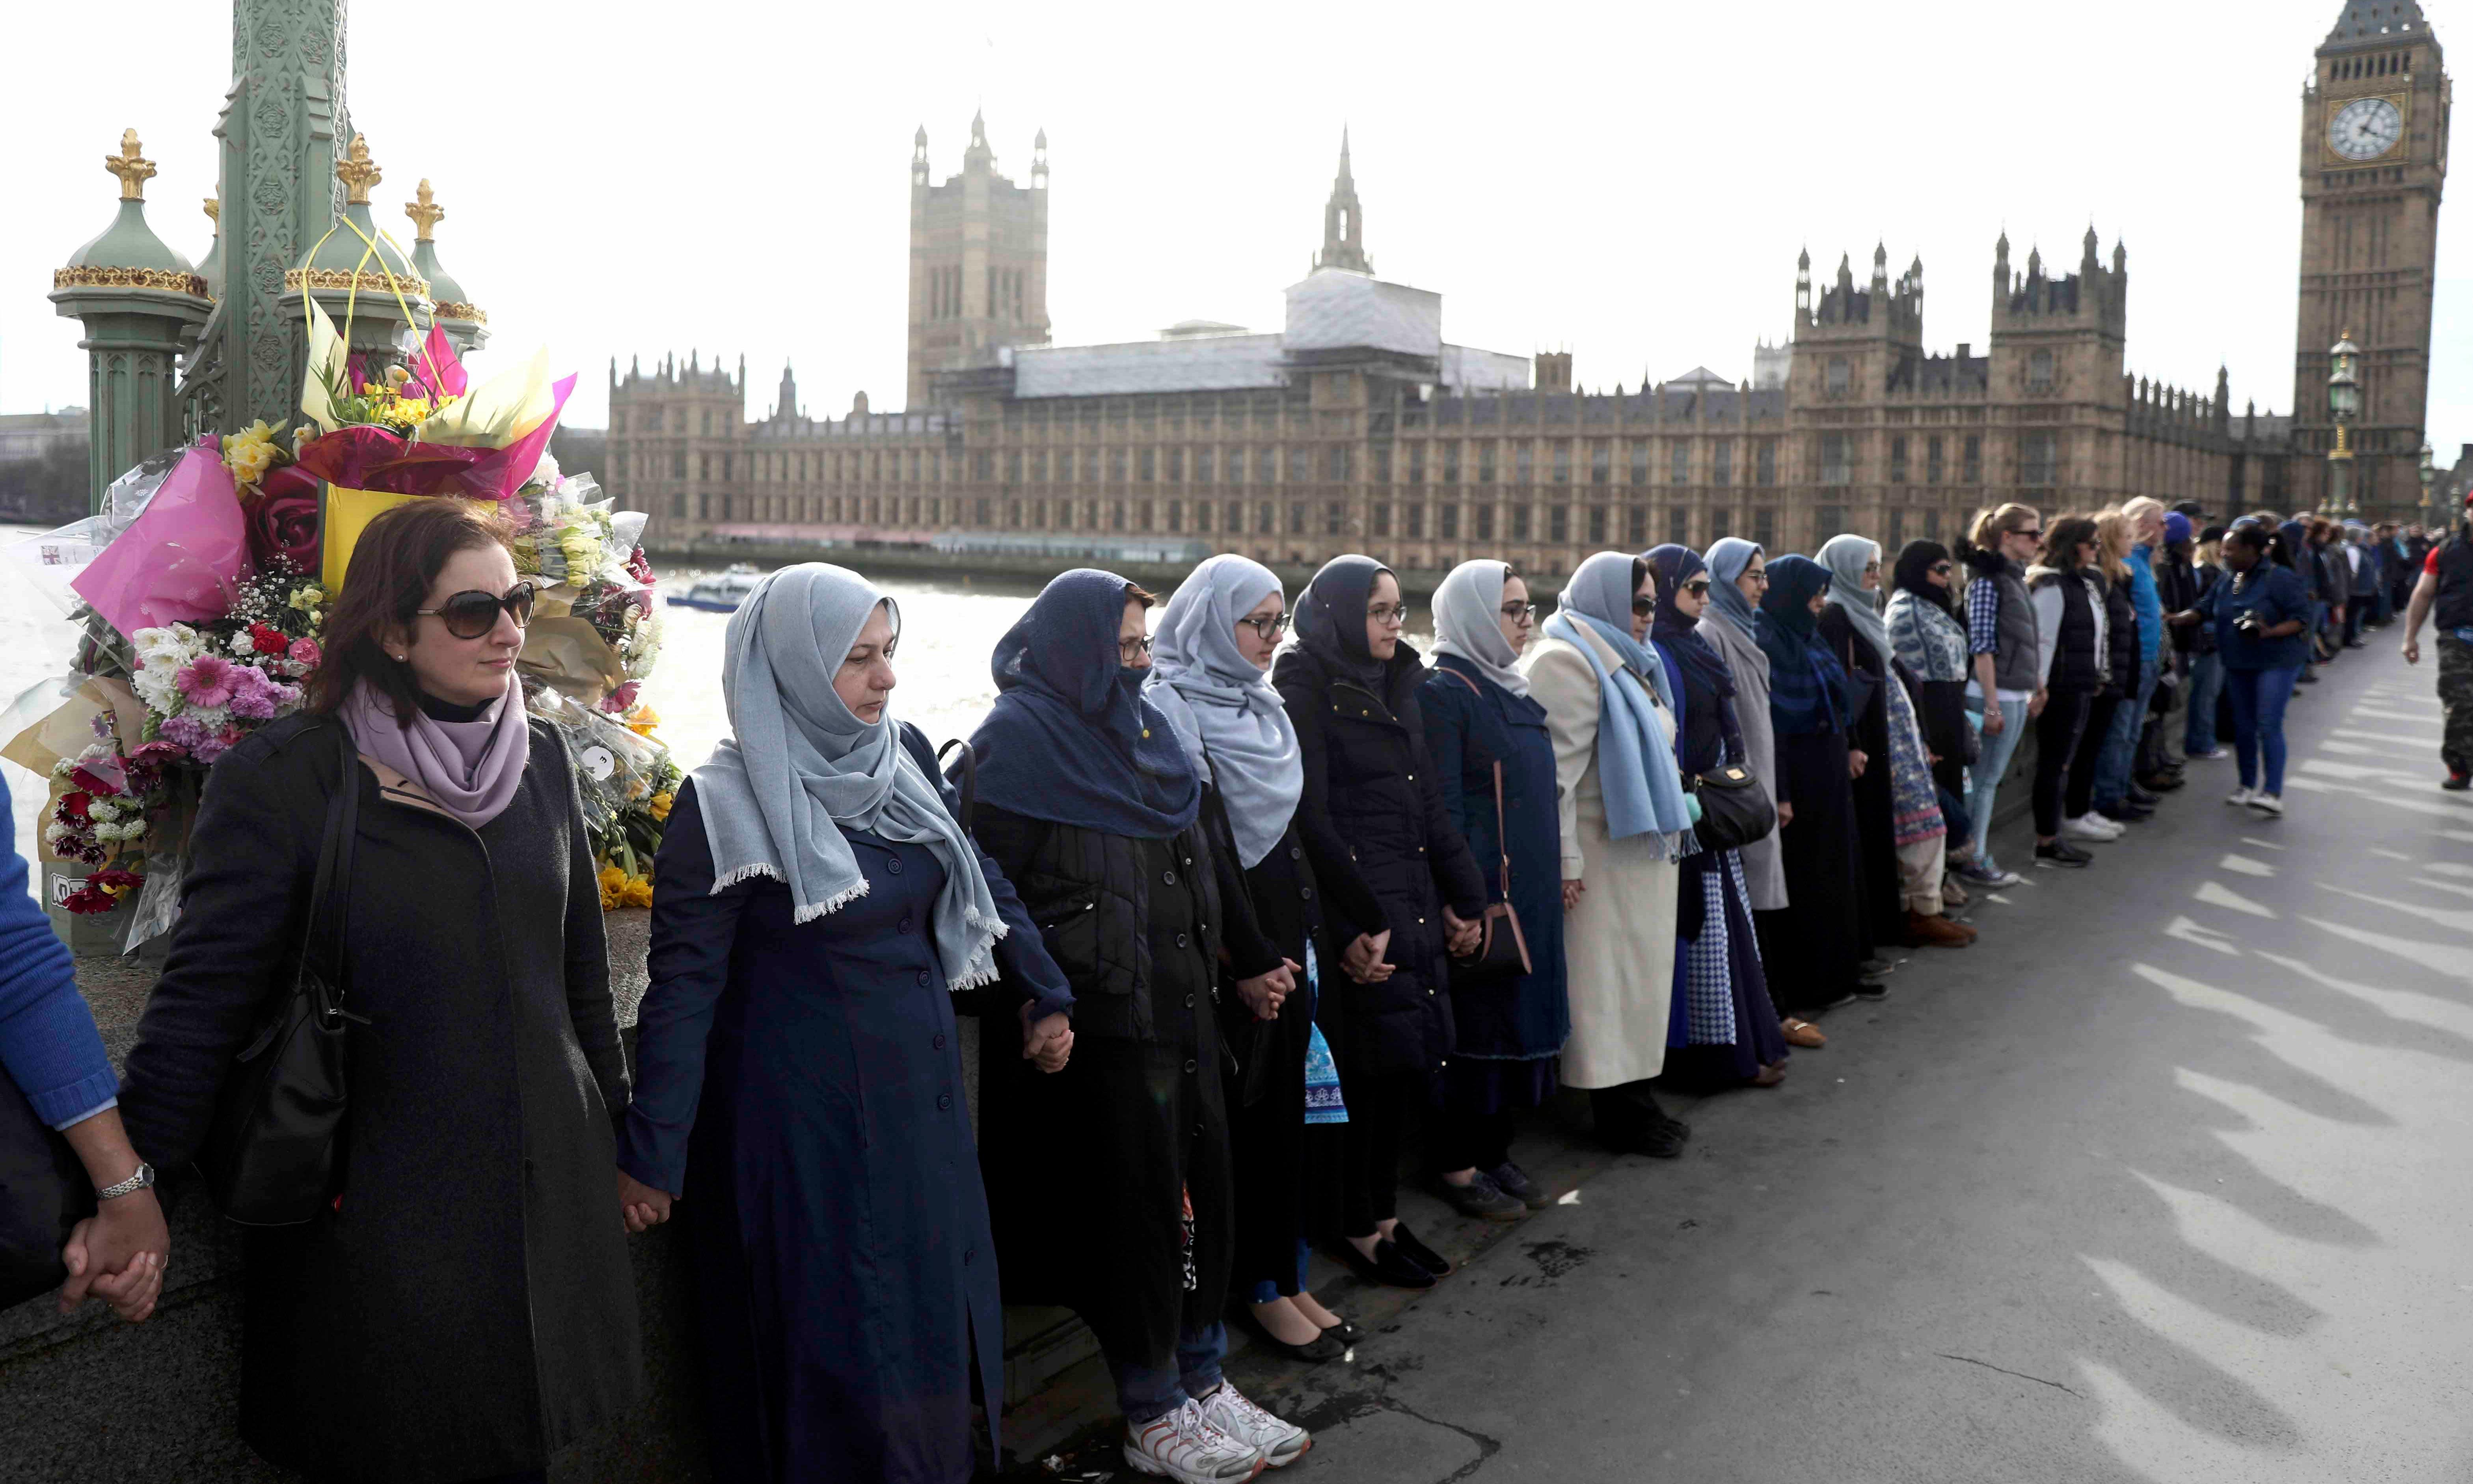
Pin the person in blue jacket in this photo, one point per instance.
(55, 1057)
(817, 909)
(2261, 613)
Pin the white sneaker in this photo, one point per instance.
(1186, 1446)
(1281, 1443)
(2267, 803)
(2240, 796)
(2088, 827)
(2117, 827)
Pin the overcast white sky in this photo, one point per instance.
(1631, 181)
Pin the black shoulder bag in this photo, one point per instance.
(1502, 949)
(275, 1155)
(1733, 813)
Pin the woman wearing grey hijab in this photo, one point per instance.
(816, 908)
(1210, 675)
(1481, 724)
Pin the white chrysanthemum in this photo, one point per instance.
(102, 809)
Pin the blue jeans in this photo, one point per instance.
(2120, 743)
(2206, 683)
(1267, 1291)
(1147, 1393)
(2259, 698)
(1984, 780)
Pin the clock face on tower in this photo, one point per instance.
(2364, 129)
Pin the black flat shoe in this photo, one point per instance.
(1417, 1252)
(1655, 1141)
(1386, 1268)
(1346, 1333)
(1323, 1347)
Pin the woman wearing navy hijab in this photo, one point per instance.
(1813, 950)
(1109, 1182)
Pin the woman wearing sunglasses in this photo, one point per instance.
(1732, 1035)
(1210, 677)
(1402, 889)
(467, 1307)
(1480, 720)
(2004, 645)
(1624, 823)
(817, 909)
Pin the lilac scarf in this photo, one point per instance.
(470, 768)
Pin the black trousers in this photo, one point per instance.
(2057, 737)
(2092, 736)
(1472, 1140)
(1625, 1113)
(1380, 1109)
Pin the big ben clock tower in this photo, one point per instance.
(2373, 163)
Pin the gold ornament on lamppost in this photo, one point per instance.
(133, 171)
(357, 172)
(425, 212)
(2343, 404)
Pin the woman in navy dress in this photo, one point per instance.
(799, 1077)
(1510, 1027)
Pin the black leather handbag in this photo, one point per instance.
(1502, 949)
(43, 1194)
(274, 1155)
(1733, 811)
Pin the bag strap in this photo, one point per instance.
(970, 784)
(329, 894)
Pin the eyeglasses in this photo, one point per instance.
(1642, 607)
(2036, 535)
(1941, 569)
(1698, 586)
(1269, 628)
(1131, 650)
(1760, 575)
(1518, 613)
(471, 614)
(1388, 613)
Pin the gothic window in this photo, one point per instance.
(1600, 462)
(1141, 515)
(1933, 469)
(1013, 467)
(1722, 524)
(1897, 530)
(1296, 517)
(1897, 466)
(1202, 515)
(2038, 464)
(703, 466)
(1416, 515)
(1836, 460)
(1176, 515)
(1484, 521)
(1202, 465)
(1446, 520)
(1563, 462)
(1764, 463)
(1117, 468)
(679, 504)
(2039, 372)
(1558, 523)
(1973, 470)
(1636, 525)
(1520, 519)
(1089, 466)
(1524, 462)
(985, 468)
(1932, 525)
(1382, 513)
(703, 422)
(1640, 460)
(1451, 463)
(678, 465)
(1383, 466)
(1334, 517)
(1827, 520)
(1416, 463)
(1678, 461)
(1678, 525)
(1840, 375)
(1596, 525)
(1765, 529)
(1485, 462)
(678, 419)
(703, 507)
(1116, 514)
(1235, 522)
(1335, 464)
(1721, 463)
(1149, 465)
(1265, 520)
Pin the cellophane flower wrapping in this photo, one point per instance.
(179, 560)
(627, 780)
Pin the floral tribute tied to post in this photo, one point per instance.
(200, 590)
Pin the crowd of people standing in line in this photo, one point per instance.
(1260, 896)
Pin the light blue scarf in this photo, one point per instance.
(1636, 767)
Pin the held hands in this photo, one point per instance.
(1786, 812)
(2036, 706)
(1993, 722)
(1364, 959)
(641, 1206)
(1855, 760)
(118, 1255)
(1571, 890)
(1048, 1042)
(1458, 937)
(1264, 994)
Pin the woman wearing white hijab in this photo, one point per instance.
(1479, 718)
(1624, 826)
(1210, 675)
(799, 1077)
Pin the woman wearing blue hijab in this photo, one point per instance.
(1625, 823)
(1110, 1181)
(1814, 949)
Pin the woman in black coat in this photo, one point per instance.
(1110, 1181)
(1402, 887)
(1876, 840)
(816, 910)
(467, 1307)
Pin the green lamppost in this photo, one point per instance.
(2345, 404)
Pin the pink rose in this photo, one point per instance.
(304, 653)
(283, 520)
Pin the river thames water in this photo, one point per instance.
(948, 627)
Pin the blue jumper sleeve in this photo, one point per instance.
(47, 1035)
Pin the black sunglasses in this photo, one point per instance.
(470, 615)
(1642, 607)
(1941, 569)
(1698, 586)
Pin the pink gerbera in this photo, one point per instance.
(208, 681)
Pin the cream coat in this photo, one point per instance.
(1619, 941)
(1764, 870)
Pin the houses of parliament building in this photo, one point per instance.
(1356, 427)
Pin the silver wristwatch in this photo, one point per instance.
(144, 1177)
